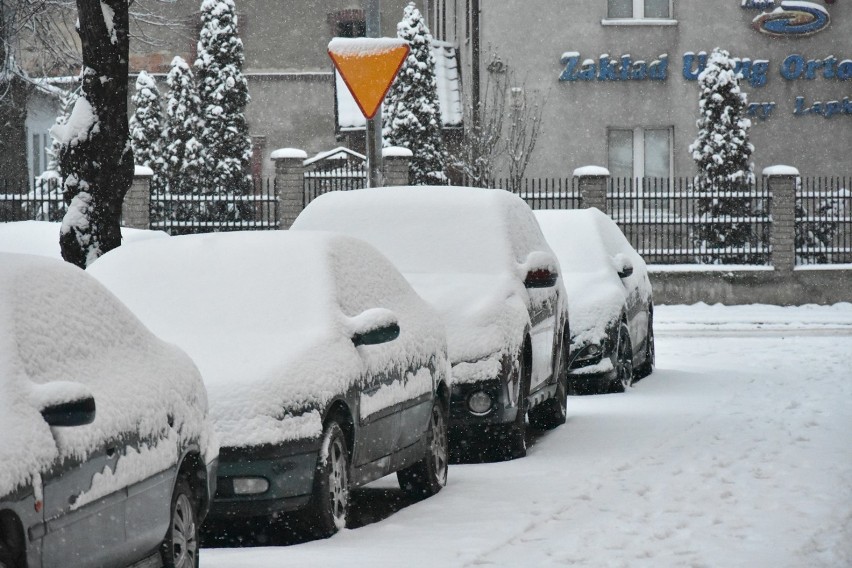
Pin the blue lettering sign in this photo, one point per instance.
(826, 110)
(607, 69)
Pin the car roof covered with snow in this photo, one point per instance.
(63, 335)
(587, 242)
(464, 250)
(42, 237)
(269, 319)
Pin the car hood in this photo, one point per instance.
(485, 314)
(595, 300)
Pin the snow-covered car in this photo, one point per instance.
(609, 298)
(324, 369)
(478, 256)
(42, 237)
(106, 455)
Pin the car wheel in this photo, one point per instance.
(329, 507)
(554, 411)
(11, 543)
(647, 366)
(515, 440)
(180, 547)
(429, 475)
(623, 360)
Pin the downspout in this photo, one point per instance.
(474, 62)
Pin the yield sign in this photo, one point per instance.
(368, 67)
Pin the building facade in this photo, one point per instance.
(620, 76)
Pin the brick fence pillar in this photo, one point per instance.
(396, 160)
(592, 182)
(136, 209)
(782, 182)
(290, 183)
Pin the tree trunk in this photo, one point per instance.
(97, 160)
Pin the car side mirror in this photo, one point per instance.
(74, 413)
(382, 334)
(374, 326)
(622, 265)
(541, 278)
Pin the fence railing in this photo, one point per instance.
(669, 222)
(543, 193)
(665, 219)
(345, 175)
(824, 220)
(179, 214)
(41, 201)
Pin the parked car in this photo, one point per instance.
(324, 369)
(106, 455)
(478, 256)
(609, 297)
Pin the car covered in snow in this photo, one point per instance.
(478, 256)
(106, 454)
(609, 298)
(324, 369)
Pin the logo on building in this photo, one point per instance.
(789, 19)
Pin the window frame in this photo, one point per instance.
(638, 164)
(638, 18)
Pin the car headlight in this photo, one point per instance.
(590, 352)
(249, 485)
(479, 402)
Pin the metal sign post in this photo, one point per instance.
(374, 125)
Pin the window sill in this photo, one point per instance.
(638, 22)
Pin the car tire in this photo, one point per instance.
(11, 543)
(514, 442)
(623, 360)
(180, 547)
(647, 366)
(554, 411)
(329, 507)
(429, 475)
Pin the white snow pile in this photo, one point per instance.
(63, 336)
(462, 249)
(364, 46)
(269, 319)
(753, 317)
(587, 243)
(42, 237)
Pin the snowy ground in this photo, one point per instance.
(735, 452)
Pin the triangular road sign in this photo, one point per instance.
(368, 67)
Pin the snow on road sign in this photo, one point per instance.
(368, 67)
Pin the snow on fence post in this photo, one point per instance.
(136, 209)
(592, 182)
(290, 183)
(397, 161)
(782, 181)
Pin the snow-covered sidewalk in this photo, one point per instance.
(735, 452)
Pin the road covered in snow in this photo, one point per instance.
(736, 452)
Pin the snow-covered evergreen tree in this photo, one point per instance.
(224, 96)
(722, 152)
(412, 116)
(182, 161)
(146, 124)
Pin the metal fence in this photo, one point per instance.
(40, 201)
(824, 220)
(669, 222)
(543, 193)
(334, 175)
(179, 214)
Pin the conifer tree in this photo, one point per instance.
(412, 116)
(725, 175)
(146, 124)
(224, 95)
(182, 162)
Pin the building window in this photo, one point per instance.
(640, 152)
(638, 9)
(39, 159)
(439, 27)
